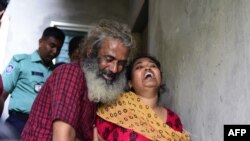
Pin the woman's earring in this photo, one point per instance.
(130, 86)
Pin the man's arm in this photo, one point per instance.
(3, 97)
(8, 80)
(63, 131)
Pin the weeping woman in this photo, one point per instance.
(136, 115)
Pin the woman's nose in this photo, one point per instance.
(147, 68)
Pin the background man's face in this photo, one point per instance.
(49, 48)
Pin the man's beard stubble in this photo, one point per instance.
(99, 90)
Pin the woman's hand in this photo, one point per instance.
(97, 137)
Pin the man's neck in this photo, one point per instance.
(45, 63)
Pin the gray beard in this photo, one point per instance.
(98, 89)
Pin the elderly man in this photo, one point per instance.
(65, 108)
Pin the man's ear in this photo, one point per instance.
(89, 52)
(40, 40)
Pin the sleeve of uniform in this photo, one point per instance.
(67, 94)
(11, 74)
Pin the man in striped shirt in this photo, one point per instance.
(65, 108)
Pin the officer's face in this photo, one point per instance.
(49, 48)
(112, 58)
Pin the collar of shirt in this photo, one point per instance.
(35, 57)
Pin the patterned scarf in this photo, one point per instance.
(129, 111)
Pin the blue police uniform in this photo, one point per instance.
(23, 78)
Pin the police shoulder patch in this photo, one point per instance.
(10, 68)
(20, 57)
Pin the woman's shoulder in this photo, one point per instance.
(174, 121)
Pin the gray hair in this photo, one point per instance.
(103, 30)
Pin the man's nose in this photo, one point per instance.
(55, 51)
(113, 67)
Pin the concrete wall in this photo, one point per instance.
(135, 8)
(26, 19)
(204, 48)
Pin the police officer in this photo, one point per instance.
(25, 75)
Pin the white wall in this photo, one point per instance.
(204, 48)
(28, 18)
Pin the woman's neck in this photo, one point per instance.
(149, 98)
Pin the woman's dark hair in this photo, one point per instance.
(130, 68)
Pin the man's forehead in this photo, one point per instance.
(114, 48)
